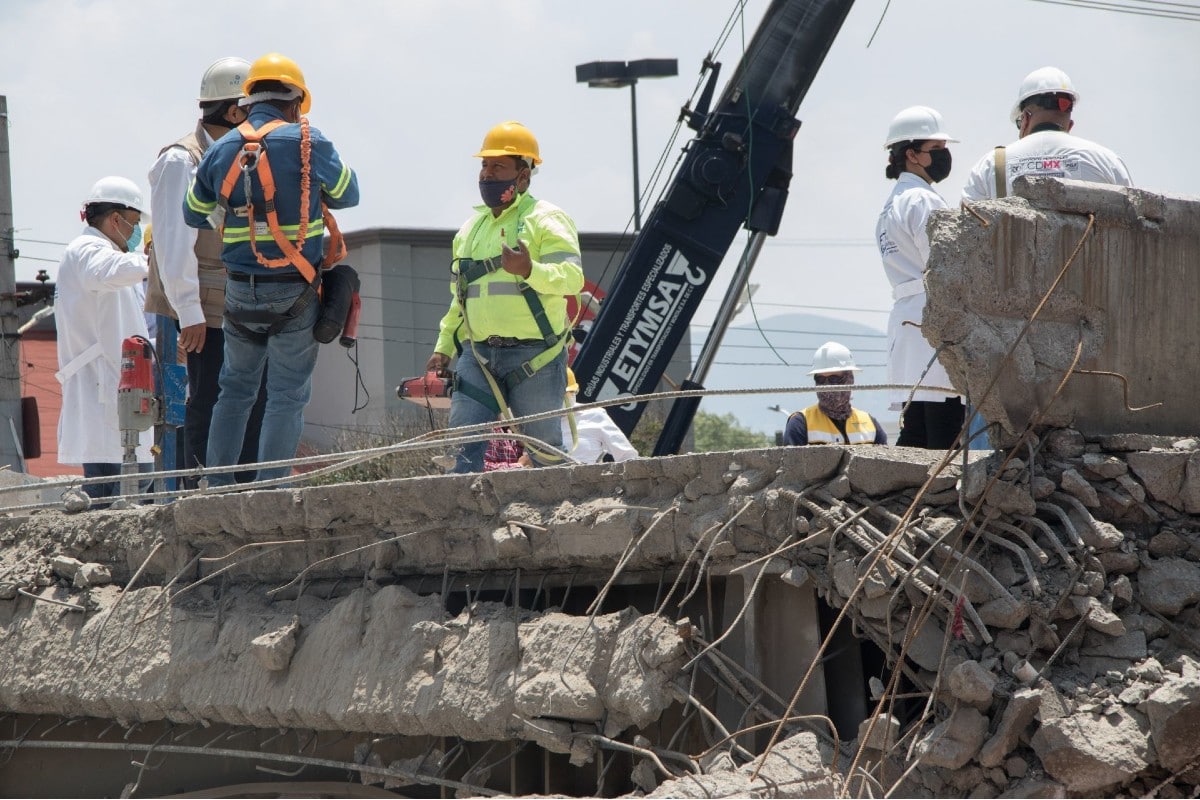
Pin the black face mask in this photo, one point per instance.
(939, 165)
(497, 193)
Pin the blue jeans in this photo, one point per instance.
(545, 391)
(203, 375)
(291, 354)
(100, 491)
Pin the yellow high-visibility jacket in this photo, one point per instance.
(494, 303)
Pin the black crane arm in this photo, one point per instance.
(734, 172)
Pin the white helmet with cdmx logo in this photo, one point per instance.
(1046, 80)
(223, 79)
(833, 357)
(917, 123)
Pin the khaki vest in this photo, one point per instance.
(208, 255)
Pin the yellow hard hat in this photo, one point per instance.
(510, 139)
(572, 384)
(276, 67)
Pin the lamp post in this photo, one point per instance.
(617, 75)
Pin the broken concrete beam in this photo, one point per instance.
(983, 283)
(387, 661)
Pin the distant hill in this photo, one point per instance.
(745, 360)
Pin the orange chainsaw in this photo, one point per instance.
(429, 390)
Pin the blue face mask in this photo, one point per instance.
(135, 238)
(497, 193)
(135, 235)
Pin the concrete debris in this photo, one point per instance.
(796, 767)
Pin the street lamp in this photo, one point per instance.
(617, 75)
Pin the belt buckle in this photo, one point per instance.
(495, 341)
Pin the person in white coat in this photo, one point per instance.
(917, 158)
(97, 305)
(1046, 146)
(597, 437)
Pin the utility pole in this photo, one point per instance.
(11, 451)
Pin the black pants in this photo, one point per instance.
(203, 371)
(932, 425)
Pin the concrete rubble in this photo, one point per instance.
(1035, 607)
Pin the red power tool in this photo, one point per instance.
(429, 390)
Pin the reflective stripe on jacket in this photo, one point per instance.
(860, 427)
(494, 305)
(331, 181)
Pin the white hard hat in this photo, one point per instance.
(1047, 80)
(114, 189)
(833, 357)
(223, 79)
(917, 123)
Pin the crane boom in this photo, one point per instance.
(734, 172)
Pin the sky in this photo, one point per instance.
(407, 89)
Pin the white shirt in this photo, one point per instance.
(96, 305)
(598, 435)
(1050, 153)
(904, 247)
(174, 240)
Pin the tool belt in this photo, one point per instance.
(509, 341)
(252, 279)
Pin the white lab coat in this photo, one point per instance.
(1051, 153)
(598, 435)
(96, 305)
(904, 246)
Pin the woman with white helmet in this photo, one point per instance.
(97, 304)
(917, 158)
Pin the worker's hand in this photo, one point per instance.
(438, 363)
(191, 338)
(517, 261)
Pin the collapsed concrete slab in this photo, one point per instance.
(1125, 303)
(668, 613)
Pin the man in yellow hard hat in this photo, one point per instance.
(515, 261)
(187, 278)
(269, 185)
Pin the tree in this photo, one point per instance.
(722, 432)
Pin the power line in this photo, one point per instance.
(1192, 15)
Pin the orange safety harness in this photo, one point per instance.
(253, 158)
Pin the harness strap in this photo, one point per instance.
(484, 399)
(1001, 167)
(253, 157)
(276, 321)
